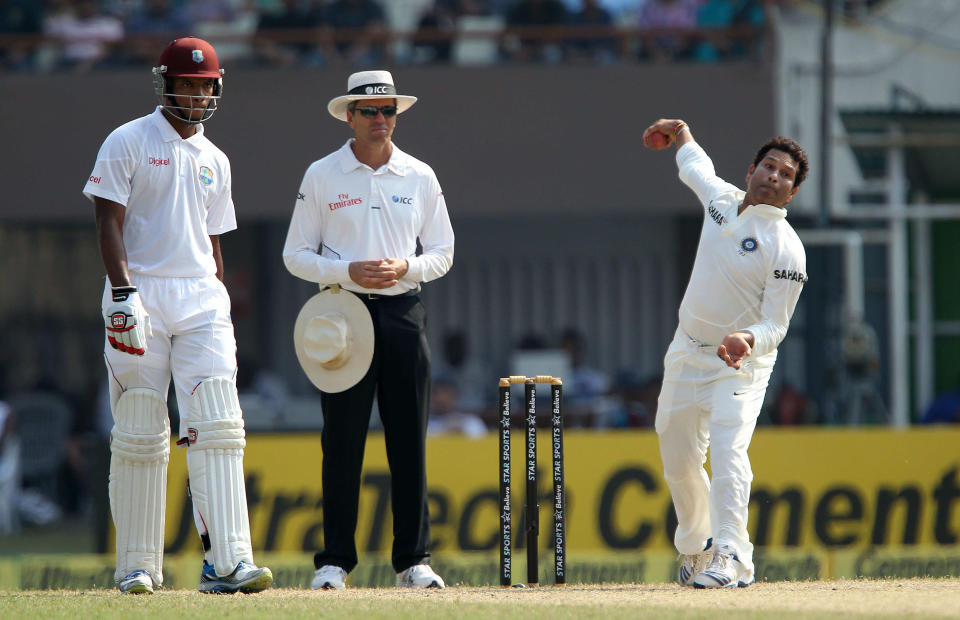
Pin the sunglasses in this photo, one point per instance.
(369, 111)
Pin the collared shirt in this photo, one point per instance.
(346, 211)
(176, 193)
(749, 269)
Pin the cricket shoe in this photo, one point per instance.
(137, 582)
(693, 565)
(246, 578)
(723, 572)
(329, 577)
(419, 576)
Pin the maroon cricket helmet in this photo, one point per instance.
(188, 57)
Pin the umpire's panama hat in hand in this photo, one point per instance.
(369, 85)
(333, 337)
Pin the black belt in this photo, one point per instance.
(377, 296)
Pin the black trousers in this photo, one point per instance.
(399, 376)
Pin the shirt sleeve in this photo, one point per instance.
(112, 175)
(302, 250)
(436, 237)
(785, 279)
(697, 172)
(222, 215)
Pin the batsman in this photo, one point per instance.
(747, 276)
(162, 194)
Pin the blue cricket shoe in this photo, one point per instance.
(246, 578)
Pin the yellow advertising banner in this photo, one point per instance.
(814, 490)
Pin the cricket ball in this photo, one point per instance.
(658, 140)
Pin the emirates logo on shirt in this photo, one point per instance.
(344, 200)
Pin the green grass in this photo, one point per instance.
(181, 604)
(579, 602)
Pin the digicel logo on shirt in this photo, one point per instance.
(157, 161)
(344, 200)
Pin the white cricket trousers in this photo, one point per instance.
(192, 339)
(704, 403)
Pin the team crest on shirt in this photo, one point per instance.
(197, 56)
(748, 245)
(206, 175)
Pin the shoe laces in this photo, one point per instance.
(721, 561)
(136, 575)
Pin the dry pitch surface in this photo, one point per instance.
(914, 598)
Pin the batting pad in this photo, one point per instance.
(215, 462)
(140, 449)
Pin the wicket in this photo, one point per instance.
(532, 506)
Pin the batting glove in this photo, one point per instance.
(127, 323)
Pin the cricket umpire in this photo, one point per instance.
(748, 273)
(358, 216)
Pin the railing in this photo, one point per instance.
(624, 44)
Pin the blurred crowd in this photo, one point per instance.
(54, 456)
(465, 398)
(79, 35)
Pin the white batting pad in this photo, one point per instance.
(215, 462)
(140, 449)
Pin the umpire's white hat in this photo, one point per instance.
(369, 85)
(334, 338)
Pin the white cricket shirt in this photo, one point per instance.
(346, 211)
(176, 193)
(749, 269)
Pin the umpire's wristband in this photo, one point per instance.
(120, 293)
